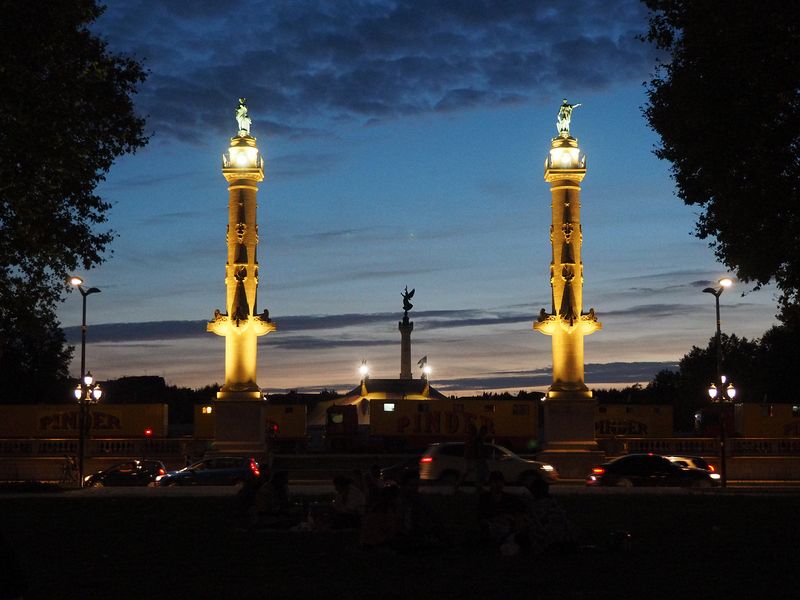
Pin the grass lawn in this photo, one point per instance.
(683, 546)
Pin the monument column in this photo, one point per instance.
(239, 409)
(569, 409)
(406, 327)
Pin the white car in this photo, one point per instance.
(445, 463)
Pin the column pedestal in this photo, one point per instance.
(569, 443)
(239, 421)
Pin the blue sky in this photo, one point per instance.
(404, 144)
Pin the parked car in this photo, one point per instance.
(220, 470)
(445, 463)
(132, 472)
(395, 471)
(648, 470)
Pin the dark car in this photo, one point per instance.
(648, 470)
(132, 472)
(220, 470)
(395, 471)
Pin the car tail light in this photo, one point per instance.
(161, 471)
(254, 467)
(426, 459)
(598, 470)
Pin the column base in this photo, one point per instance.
(569, 421)
(239, 424)
(572, 463)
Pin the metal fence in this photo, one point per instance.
(43, 448)
(178, 447)
(702, 446)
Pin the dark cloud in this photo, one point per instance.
(596, 374)
(366, 59)
(147, 181)
(302, 342)
(501, 189)
(290, 166)
(478, 321)
(169, 330)
(701, 283)
(351, 276)
(651, 310)
(338, 234)
(657, 311)
(625, 372)
(134, 332)
(163, 218)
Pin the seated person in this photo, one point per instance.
(419, 526)
(373, 485)
(381, 524)
(501, 514)
(547, 526)
(271, 507)
(348, 505)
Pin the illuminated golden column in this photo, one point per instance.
(239, 420)
(569, 402)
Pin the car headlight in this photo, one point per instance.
(548, 468)
(714, 475)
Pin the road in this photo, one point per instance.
(323, 488)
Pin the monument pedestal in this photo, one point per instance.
(569, 443)
(239, 425)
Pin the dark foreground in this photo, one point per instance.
(707, 545)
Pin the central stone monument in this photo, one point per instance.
(406, 327)
(569, 409)
(240, 407)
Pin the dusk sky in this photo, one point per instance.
(404, 145)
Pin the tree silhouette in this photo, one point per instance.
(725, 104)
(66, 114)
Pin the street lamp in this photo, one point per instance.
(426, 368)
(83, 393)
(717, 391)
(78, 283)
(364, 370)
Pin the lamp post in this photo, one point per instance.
(83, 386)
(426, 368)
(717, 391)
(85, 394)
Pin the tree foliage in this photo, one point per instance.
(726, 105)
(762, 370)
(66, 113)
(33, 365)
